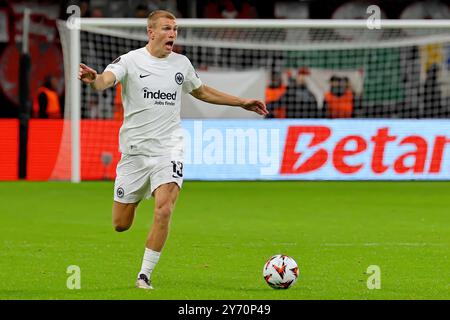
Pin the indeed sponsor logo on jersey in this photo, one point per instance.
(159, 95)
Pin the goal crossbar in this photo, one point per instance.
(272, 23)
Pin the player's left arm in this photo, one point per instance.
(214, 96)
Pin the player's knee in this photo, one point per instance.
(163, 213)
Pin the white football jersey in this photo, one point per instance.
(151, 98)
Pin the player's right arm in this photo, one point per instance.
(96, 81)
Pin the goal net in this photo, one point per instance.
(313, 69)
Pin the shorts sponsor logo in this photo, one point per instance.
(120, 192)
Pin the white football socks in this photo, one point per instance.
(149, 262)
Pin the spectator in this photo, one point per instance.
(169, 5)
(141, 11)
(85, 11)
(247, 11)
(46, 103)
(338, 102)
(211, 10)
(432, 93)
(274, 92)
(229, 10)
(298, 100)
(118, 105)
(97, 13)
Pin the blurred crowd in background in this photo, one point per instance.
(287, 95)
(252, 9)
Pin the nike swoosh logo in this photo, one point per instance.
(143, 76)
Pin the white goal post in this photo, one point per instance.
(203, 36)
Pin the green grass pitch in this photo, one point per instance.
(221, 235)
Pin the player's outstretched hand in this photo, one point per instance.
(87, 74)
(256, 106)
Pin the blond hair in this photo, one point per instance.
(155, 15)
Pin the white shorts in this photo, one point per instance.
(139, 175)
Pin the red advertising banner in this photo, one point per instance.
(354, 146)
(248, 150)
(9, 149)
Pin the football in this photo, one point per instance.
(280, 271)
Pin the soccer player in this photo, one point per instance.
(150, 139)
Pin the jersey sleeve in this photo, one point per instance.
(192, 80)
(119, 68)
